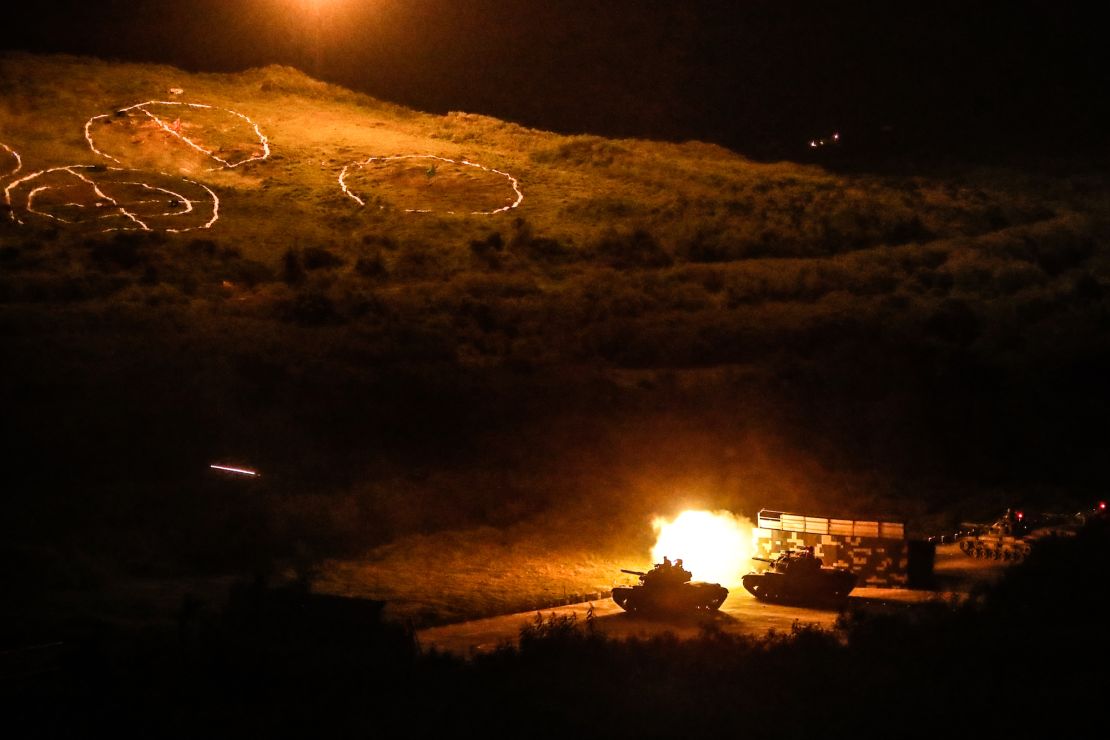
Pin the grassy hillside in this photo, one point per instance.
(655, 325)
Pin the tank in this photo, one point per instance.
(797, 577)
(1011, 537)
(1006, 539)
(667, 589)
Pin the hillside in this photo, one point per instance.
(650, 323)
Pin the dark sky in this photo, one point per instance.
(761, 76)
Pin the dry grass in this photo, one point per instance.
(846, 318)
(463, 574)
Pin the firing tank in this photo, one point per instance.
(797, 577)
(667, 589)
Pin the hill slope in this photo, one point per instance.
(652, 322)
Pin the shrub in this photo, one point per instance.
(538, 248)
(371, 266)
(636, 249)
(379, 240)
(954, 322)
(488, 251)
(1012, 278)
(709, 245)
(319, 258)
(203, 247)
(292, 272)
(413, 262)
(122, 252)
(310, 308)
(592, 150)
(907, 229)
(248, 272)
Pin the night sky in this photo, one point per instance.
(987, 79)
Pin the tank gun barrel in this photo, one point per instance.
(762, 560)
(633, 572)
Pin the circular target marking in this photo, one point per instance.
(429, 186)
(10, 161)
(112, 198)
(130, 127)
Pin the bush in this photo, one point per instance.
(122, 252)
(292, 271)
(310, 308)
(248, 272)
(714, 244)
(538, 248)
(371, 266)
(488, 251)
(636, 249)
(318, 258)
(581, 150)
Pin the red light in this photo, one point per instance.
(1020, 515)
(1102, 506)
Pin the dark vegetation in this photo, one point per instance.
(659, 326)
(853, 360)
(669, 326)
(662, 326)
(1025, 653)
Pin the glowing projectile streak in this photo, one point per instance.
(171, 130)
(119, 208)
(238, 471)
(512, 180)
(15, 155)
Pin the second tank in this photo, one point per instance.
(797, 577)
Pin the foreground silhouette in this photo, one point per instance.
(283, 662)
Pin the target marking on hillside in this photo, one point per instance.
(426, 183)
(10, 161)
(134, 131)
(112, 198)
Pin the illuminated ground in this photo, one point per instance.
(471, 414)
(430, 184)
(177, 137)
(457, 575)
(10, 162)
(103, 199)
(740, 614)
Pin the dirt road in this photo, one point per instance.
(741, 613)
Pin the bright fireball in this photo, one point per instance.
(715, 546)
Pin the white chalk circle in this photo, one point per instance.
(169, 134)
(425, 183)
(100, 198)
(10, 161)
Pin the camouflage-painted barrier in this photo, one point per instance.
(875, 551)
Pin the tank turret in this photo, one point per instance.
(667, 589)
(798, 577)
(1013, 535)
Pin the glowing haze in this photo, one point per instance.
(715, 546)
